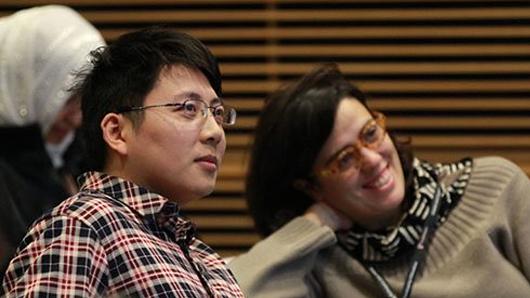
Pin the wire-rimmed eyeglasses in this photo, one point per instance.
(190, 108)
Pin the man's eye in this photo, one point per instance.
(219, 111)
(191, 108)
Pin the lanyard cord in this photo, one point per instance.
(419, 254)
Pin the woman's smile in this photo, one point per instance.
(381, 182)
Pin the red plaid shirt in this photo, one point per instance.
(115, 238)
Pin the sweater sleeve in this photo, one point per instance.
(281, 265)
(517, 193)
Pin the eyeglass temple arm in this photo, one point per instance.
(130, 109)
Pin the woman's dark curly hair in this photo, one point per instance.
(293, 126)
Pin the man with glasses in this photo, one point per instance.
(153, 119)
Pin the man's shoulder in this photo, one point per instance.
(92, 209)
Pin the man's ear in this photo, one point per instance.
(115, 132)
(308, 188)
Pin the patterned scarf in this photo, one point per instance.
(393, 242)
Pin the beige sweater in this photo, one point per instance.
(482, 250)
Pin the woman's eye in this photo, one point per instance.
(371, 134)
(345, 161)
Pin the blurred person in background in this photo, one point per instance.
(348, 211)
(40, 49)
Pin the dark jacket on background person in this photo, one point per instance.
(29, 185)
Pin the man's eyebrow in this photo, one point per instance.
(188, 95)
(216, 101)
(197, 96)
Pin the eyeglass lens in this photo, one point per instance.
(222, 114)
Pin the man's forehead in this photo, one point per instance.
(185, 82)
(179, 70)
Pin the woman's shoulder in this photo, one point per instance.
(498, 175)
(498, 165)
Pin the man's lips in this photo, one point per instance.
(208, 158)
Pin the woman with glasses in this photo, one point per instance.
(348, 211)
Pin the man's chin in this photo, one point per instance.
(204, 191)
(208, 191)
(194, 190)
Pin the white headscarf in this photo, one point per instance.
(40, 48)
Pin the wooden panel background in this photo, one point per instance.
(454, 75)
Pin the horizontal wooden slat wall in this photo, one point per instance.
(453, 75)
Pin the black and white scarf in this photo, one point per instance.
(390, 243)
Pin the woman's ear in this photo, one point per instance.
(308, 188)
(114, 128)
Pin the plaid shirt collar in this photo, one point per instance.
(155, 211)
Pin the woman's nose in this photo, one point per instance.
(370, 159)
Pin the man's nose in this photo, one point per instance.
(212, 131)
